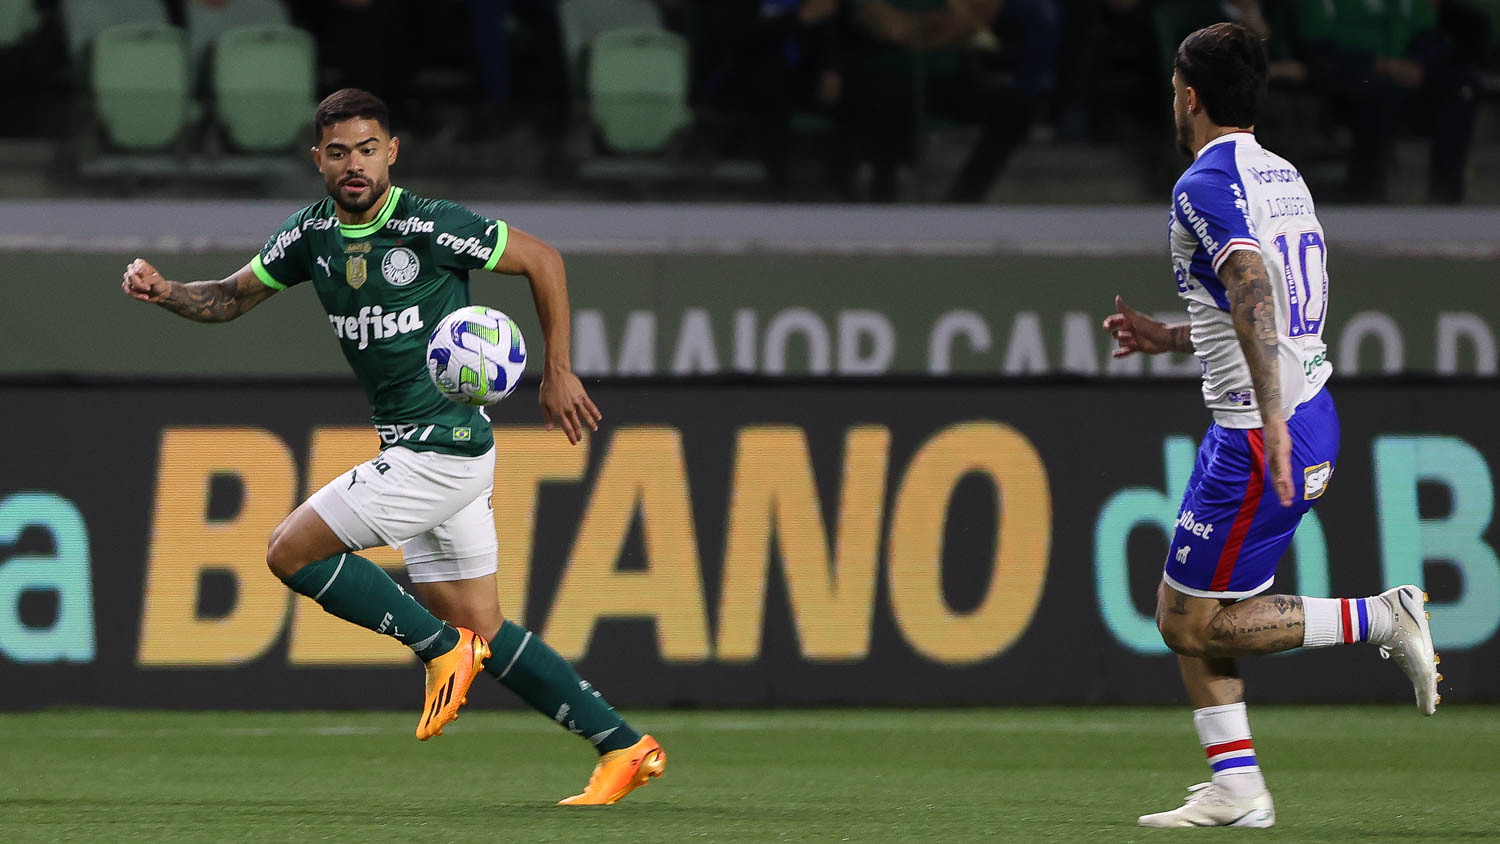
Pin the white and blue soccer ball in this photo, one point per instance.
(476, 356)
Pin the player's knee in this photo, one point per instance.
(1181, 634)
(281, 555)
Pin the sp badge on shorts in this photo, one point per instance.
(1315, 480)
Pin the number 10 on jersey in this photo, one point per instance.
(1306, 282)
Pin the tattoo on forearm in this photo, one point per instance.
(1180, 338)
(1254, 313)
(204, 301)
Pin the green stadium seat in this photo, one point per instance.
(17, 17)
(206, 23)
(83, 20)
(584, 20)
(263, 85)
(637, 88)
(140, 84)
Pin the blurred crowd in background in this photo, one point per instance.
(800, 99)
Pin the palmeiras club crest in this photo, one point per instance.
(400, 266)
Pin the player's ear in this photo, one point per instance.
(392, 151)
(317, 155)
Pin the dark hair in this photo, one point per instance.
(1226, 64)
(349, 104)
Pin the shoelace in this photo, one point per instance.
(1203, 792)
(1207, 794)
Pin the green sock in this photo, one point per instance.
(529, 667)
(357, 590)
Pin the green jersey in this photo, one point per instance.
(385, 285)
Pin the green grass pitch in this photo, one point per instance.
(1337, 773)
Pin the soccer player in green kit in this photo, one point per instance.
(387, 266)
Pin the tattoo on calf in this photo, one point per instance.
(1179, 605)
(1256, 616)
(1286, 603)
(1222, 628)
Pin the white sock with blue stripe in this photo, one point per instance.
(1224, 732)
(1344, 621)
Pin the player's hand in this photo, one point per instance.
(1279, 457)
(1134, 331)
(141, 281)
(565, 402)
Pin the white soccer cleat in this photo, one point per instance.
(1209, 805)
(1411, 644)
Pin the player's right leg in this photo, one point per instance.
(1394, 620)
(308, 557)
(312, 552)
(1232, 533)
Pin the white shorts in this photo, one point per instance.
(434, 508)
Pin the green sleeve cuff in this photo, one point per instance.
(264, 274)
(502, 237)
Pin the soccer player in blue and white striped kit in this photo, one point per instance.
(1250, 260)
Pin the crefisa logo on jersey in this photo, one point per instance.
(375, 322)
(276, 249)
(410, 225)
(468, 246)
(400, 266)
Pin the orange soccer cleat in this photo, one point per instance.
(620, 772)
(448, 680)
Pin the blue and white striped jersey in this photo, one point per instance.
(1238, 196)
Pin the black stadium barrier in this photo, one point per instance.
(724, 544)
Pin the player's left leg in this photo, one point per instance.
(311, 558)
(453, 568)
(1236, 795)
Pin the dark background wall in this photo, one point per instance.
(724, 543)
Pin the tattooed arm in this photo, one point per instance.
(1254, 314)
(1253, 310)
(200, 301)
